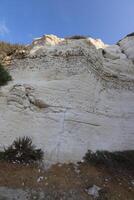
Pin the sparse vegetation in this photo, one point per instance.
(130, 35)
(103, 52)
(76, 37)
(22, 151)
(118, 159)
(65, 181)
(7, 49)
(4, 76)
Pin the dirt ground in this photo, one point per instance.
(69, 181)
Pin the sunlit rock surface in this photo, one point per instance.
(70, 96)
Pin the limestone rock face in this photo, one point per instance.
(71, 96)
(127, 46)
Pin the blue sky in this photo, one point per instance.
(22, 20)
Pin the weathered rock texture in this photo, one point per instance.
(71, 96)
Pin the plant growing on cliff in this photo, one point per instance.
(76, 37)
(4, 76)
(22, 151)
(118, 159)
(8, 49)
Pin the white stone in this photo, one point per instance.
(94, 191)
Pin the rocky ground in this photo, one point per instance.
(65, 182)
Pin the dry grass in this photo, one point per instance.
(8, 49)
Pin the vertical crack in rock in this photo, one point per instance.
(60, 134)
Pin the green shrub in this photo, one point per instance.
(117, 159)
(76, 37)
(4, 76)
(130, 35)
(22, 151)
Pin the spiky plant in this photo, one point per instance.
(23, 151)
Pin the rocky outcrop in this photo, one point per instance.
(127, 46)
(44, 42)
(47, 40)
(71, 96)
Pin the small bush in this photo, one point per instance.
(117, 159)
(130, 35)
(22, 151)
(76, 37)
(4, 76)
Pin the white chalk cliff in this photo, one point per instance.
(70, 96)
